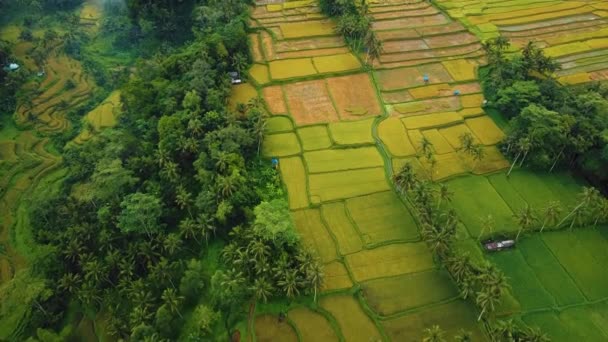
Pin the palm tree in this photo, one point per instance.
(460, 267)
(259, 250)
(183, 198)
(531, 334)
(262, 290)
(172, 243)
(551, 214)
(478, 154)
(315, 276)
(463, 336)
(523, 146)
(487, 224)
(526, 218)
(170, 171)
(172, 300)
(433, 334)
(139, 315)
(487, 301)
(466, 142)
(601, 211)
(373, 45)
(69, 282)
(206, 226)
(405, 178)
(290, 283)
(445, 195)
(187, 228)
(588, 195)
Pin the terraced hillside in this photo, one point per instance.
(339, 131)
(574, 32)
(27, 160)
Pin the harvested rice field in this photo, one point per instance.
(341, 128)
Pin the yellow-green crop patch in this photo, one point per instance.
(485, 129)
(341, 228)
(447, 165)
(352, 320)
(259, 73)
(241, 93)
(313, 233)
(471, 101)
(294, 177)
(393, 135)
(281, 145)
(440, 144)
(311, 325)
(336, 63)
(336, 277)
(268, 329)
(382, 217)
(314, 138)
(451, 317)
(390, 260)
(432, 120)
(278, 124)
(342, 159)
(307, 29)
(325, 187)
(453, 133)
(291, 68)
(461, 69)
(352, 132)
(388, 296)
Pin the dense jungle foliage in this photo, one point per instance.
(551, 125)
(169, 226)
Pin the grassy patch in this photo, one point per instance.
(278, 124)
(268, 329)
(336, 277)
(475, 197)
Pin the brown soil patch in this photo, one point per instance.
(404, 45)
(354, 96)
(436, 19)
(412, 77)
(377, 8)
(457, 39)
(309, 102)
(397, 97)
(435, 53)
(599, 75)
(400, 34)
(274, 99)
(438, 30)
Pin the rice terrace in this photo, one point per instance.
(304, 170)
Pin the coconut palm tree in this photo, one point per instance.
(405, 179)
(463, 336)
(445, 195)
(487, 301)
(188, 229)
(526, 218)
(315, 276)
(460, 267)
(69, 282)
(172, 300)
(478, 154)
(530, 334)
(551, 214)
(523, 146)
(290, 283)
(183, 198)
(588, 195)
(600, 211)
(433, 334)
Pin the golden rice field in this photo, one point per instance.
(339, 144)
